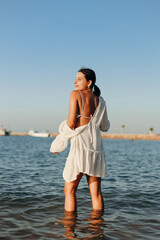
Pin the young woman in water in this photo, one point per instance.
(86, 119)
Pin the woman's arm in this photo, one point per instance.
(73, 108)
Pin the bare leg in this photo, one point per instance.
(70, 194)
(94, 184)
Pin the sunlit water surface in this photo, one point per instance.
(32, 199)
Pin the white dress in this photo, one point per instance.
(86, 153)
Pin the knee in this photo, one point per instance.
(69, 190)
(95, 194)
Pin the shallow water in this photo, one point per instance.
(32, 199)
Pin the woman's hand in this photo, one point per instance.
(55, 153)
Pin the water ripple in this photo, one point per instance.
(32, 199)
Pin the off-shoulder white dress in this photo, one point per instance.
(86, 153)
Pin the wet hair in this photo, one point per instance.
(90, 75)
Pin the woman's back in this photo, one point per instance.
(87, 104)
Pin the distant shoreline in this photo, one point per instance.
(132, 136)
(108, 136)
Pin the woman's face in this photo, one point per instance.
(81, 83)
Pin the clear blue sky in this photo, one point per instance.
(44, 42)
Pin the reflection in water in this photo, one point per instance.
(92, 227)
(69, 222)
(95, 223)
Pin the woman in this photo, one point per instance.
(86, 119)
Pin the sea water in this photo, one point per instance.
(32, 198)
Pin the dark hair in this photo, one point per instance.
(90, 75)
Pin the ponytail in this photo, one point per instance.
(96, 91)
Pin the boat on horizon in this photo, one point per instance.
(33, 133)
(4, 132)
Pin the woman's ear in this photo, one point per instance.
(89, 83)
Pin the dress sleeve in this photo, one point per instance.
(59, 144)
(105, 123)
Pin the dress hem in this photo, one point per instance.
(85, 173)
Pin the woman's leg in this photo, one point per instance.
(70, 194)
(94, 184)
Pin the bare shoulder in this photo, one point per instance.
(74, 94)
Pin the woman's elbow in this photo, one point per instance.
(71, 124)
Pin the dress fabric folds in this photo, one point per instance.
(86, 153)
